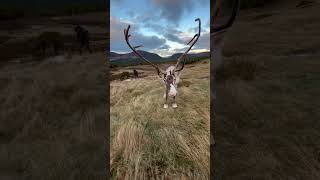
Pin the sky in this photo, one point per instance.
(161, 26)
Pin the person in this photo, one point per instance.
(83, 38)
(135, 73)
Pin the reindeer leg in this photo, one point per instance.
(174, 105)
(80, 48)
(166, 99)
(55, 49)
(88, 47)
(43, 51)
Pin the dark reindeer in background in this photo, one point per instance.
(171, 76)
(48, 43)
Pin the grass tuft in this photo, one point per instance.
(237, 68)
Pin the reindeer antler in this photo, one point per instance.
(192, 42)
(127, 35)
(235, 8)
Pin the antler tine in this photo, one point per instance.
(127, 35)
(192, 42)
(182, 66)
(137, 46)
(126, 31)
(235, 8)
(192, 39)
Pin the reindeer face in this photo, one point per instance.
(169, 78)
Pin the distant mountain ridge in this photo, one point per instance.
(191, 55)
(128, 59)
(153, 56)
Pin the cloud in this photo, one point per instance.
(164, 47)
(173, 10)
(144, 17)
(180, 37)
(184, 37)
(118, 43)
(175, 36)
(148, 42)
(116, 1)
(131, 13)
(163, 19)
(203, 41)
(170, 34)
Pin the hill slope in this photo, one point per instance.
(268, 127)
(148, 141)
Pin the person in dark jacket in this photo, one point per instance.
(83, 38)
(135, 73)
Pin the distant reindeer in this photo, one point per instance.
(82, 38)
(48, 40)
(171, 76)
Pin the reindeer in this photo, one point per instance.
(46, 41)
(171, 76)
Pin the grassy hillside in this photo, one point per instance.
(53, 119)
(267, 127)
(53, 109)
(18, 38)
(148, 141)
(134, 62)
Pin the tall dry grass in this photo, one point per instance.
(52, 119)
(267, 127)
(149, 142)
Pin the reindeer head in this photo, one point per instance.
(171, 76)
(164, 74)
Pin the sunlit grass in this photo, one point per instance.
(148, 141)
